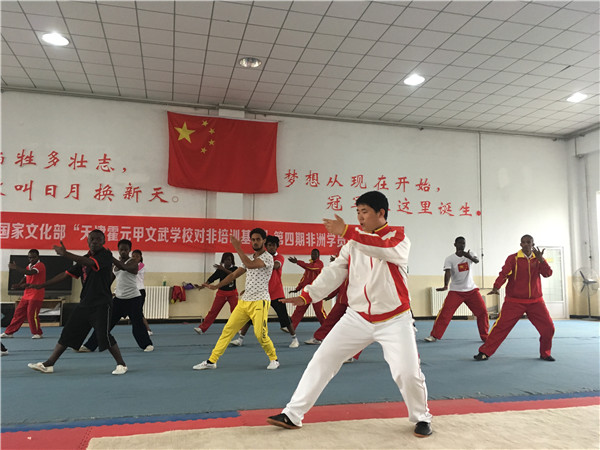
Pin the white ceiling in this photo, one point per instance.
(505, 66)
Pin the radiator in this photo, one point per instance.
(157, 302)
(310, 312)
(438, 297)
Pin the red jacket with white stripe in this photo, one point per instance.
(523, 274)
(375, 264)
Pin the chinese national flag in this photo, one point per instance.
(224, 155)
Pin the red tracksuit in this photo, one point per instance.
(523, 296)
(311, 271)
(31, 302)
(336, 313)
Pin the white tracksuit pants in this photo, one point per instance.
(350, 335)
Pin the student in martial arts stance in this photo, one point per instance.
(94, 308)
(312, 269)
(457, 267)
(225, 294)
(276, 293)
(127, 302)
(32, 299)
(253, 305)
(374, 260)
(523, 296)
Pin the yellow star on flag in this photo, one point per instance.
(211, 142)
(205, 123)
(184, 133)
(211, 131)
(203, 150)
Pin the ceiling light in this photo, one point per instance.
(250, 62)
(414, 80)
(55, 39)
(577, 97)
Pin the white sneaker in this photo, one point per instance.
(84, 349)
(40, 367)
(238, 342)
(295, 343)
(285, 329)
(349, 360)
(312, 341)
(150, 348)
(205, 365)
(120, 370)
(199, 330)
(4, 352)
(4, 335)
(430, 339)
(36, 336)
(273, 365)
(150, 333)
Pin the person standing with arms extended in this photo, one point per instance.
(277, 294)
(95, 306)
(375, 262)
(523, 296)
(31, 300)
(312, 269)
(140, 285)
(225, 294)
(457, 267)
(253, 305)
(127, 301)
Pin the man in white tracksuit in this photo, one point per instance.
(374, 260)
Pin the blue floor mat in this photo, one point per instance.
(162, 383)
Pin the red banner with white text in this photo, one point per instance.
(24, 230)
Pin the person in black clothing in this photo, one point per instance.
(226, 294)
(94, 308)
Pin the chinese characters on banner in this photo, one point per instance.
(102, 191)
(405, 187)
(20, 230)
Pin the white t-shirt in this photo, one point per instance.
(257, 280)
(126, 284)
(140, 276)
(461, 279)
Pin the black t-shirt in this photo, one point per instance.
(96, 280)
(221, 275)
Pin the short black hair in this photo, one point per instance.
(260, 231)
(100, 232)
(126, 242)
(527, 236)
(459, 237)
(225, 255)
(137, 250)
(375, 200)
(34, 251)
(273, 240)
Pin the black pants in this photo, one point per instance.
(131, 307)
(282, 315)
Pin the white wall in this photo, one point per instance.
(519, 183)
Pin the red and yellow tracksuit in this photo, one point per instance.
(523, 296)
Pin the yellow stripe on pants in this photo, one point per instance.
(258, 312)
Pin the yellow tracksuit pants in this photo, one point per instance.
(258, 312)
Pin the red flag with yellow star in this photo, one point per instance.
(224, 155)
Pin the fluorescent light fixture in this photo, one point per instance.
(55, 39)
(250, 62)
(414, 80)
(577, 97)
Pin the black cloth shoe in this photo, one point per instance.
(283, 421)
(481, 357)
(423, 429)
(547, 358)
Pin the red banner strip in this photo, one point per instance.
(24, 230)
